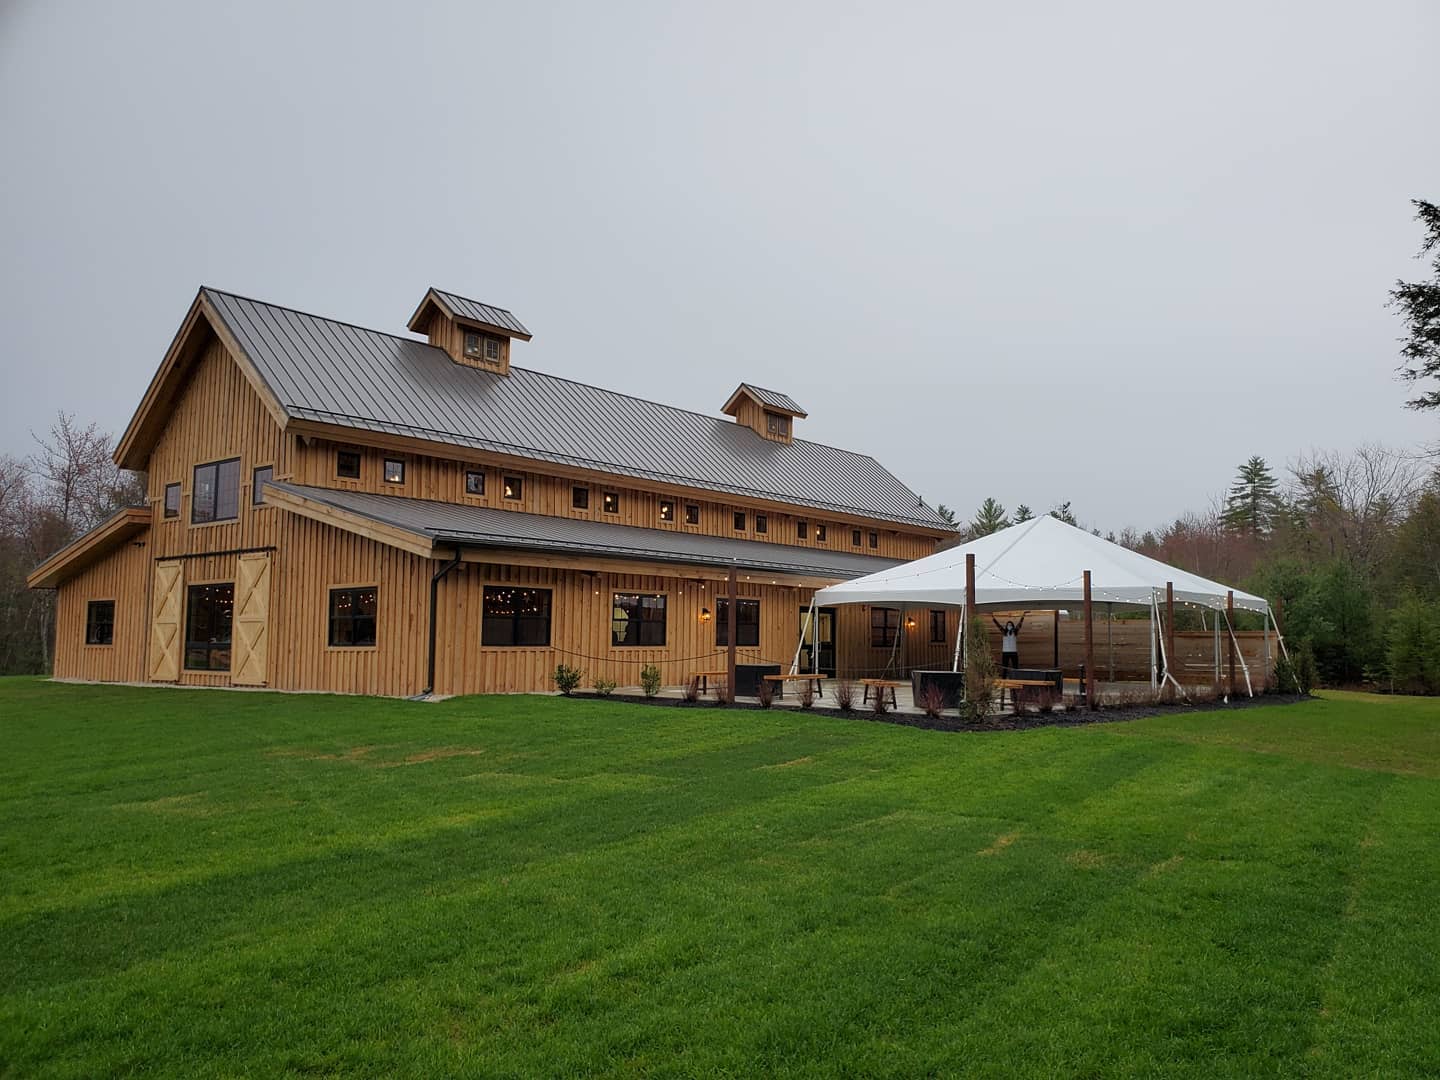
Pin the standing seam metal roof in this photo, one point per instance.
(337, 373)
(774, 398)
(475, 311)
(488, 526)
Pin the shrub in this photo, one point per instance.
(692, 690)
(567, 678)
(605, 687)
(979, 672)
(650, 680)
(1412, 648)
(1296, 673)
(1045, 700)
(932, 700)
(765, 693)
(880, 703)
(807, 696)
(844, 695)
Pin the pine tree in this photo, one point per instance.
(1253, 501)
(946, 514)
(1022, 513)
(988, 519)
(1419, 304)
(1062, 512)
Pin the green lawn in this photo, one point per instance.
(203, 883)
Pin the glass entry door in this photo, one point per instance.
(825, 642)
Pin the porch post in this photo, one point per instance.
(815, 636)
(1154, 680)
(1230, 642)
(730, 614)
(969, 601)
(1169, 625)
(1089, 646)
(1055, 636)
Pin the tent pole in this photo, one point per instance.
(1089, 646)
(1055, 636)
(815, 637)
(795, 663)
(1230, 644)
(1154, 673)
(959, 637)
(1170, 627)
(1110, 636)
(1267, 648)
(1277, 616)
(1216, 657)
(1234, 646)
(969, 601)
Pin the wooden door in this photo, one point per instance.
(251, 629)
(165, 642)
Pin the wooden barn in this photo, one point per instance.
(336, 508)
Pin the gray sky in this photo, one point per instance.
(1010, 249)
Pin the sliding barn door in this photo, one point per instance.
(169, 601)
(252, 620)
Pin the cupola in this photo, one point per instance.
(474, 334)
(769, 413)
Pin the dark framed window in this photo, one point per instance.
(884, 626)
(258, 479)
(216, 494)
(937, 627)
(474, 482)
(394, 470)
(513, 488)
(347, 464)
(353, 616)
(874, 539)
(209, 611)
(580, 498)
(667, 509)
(747, 622)
(100, 622)
(637, 619)
(777, 423)
(855, 537)
(820, 534)
(172, 500)
(692, 514)
(481, 346)
(802, 530)
(762, 523)
(514, 616)
(610, 502)
(739, 521)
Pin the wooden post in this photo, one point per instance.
(969, 600)
(1089, 645)
(731, 612)
(1230, 640)
(1170, 631)
(1055, 630)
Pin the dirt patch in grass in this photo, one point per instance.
(1166, 865)
(1084, 859)
(1002, 841)
(191, 805)
(806, 760)
(440, 753)
(355, 753)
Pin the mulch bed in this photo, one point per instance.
(1075, 717)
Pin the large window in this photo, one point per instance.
(637, 619)
(353, 617)
(884, 626)
(216, 494)
(937, 627)
(515, 616)
(100, 622)
(208, 616)
(172, 500)
(258, 479)
(747, 622)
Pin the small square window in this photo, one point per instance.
(482, 346)
(610, 502)
(820, 534)
(762, 523)
(580, 498)
(667, 509)
(100, 622)
(513, 488)
(353, 618)
(855, 537)
(258, 479)
(492, 348)
(347, 464)
(172, 500)
(739, 521)
(802, 530)
(474, 482)
(874, 539)
(394, 470)
(692, 514)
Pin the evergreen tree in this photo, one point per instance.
(946, 514)
(1062, 513)
(988, 519)
(1419, 304)
(1022, 513)
(1253, 499)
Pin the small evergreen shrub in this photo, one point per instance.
(605, 687)
(650, 680)
(1297, 673)
(567, 678)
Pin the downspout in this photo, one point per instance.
(434, 594)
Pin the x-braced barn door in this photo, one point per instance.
(165, 624)
(252, 620)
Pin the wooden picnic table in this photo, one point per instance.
(880, 686)
(1019, 684)
(803, 676)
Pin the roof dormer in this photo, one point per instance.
(769, 413)
(474, 334)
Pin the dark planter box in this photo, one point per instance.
(951, 683)
(747, 678)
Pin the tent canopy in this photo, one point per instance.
(1037, 564)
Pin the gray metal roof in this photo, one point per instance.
(774, 398)
(475, 311)
(335, 373)
(487, 526)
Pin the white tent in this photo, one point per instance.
(1037, 564)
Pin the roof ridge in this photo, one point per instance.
(472, 300)
(322, 318)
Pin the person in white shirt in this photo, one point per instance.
(1009, 641)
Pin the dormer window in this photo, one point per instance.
(777, 423)
(483, 346)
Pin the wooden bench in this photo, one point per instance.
(704, 678)
(804, 676)
(880, 686)
(1019, 684)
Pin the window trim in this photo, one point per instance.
(187, 642)
(359, 464)
(802, 529)
(762, 523)
(943, 624)
(385, 470)
(215, 508)
(165, 512)
(738, 520)
(667, 505)
(856, 540)
(689, 518)
(822, 534)
(874, 539)
(518, 485)
(474, 494)
(891, 634)
(722, 622)
(90, 606)
(254, 489)
(579, 496)
(330, 616)
(498, 586)
(664, 622)
(609, 499)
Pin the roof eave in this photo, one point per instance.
(85, 550)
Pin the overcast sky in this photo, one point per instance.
(1098, 252)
